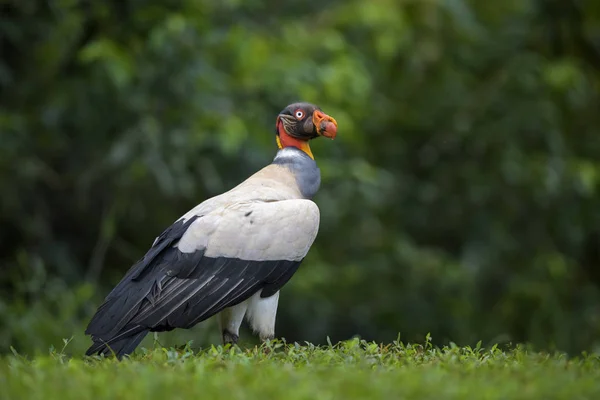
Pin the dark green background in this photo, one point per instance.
(461, 197)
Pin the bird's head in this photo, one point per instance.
(300, 122)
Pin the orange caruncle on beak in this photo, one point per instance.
(325, 125)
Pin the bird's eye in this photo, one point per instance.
(299, 114)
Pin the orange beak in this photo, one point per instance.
(325, 125)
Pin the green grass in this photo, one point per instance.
(349, 370)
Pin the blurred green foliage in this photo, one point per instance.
(461, 197)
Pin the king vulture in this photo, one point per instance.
(230, 255)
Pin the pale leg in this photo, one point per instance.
(230, 320)
(261, 315)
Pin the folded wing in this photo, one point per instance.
(203, 264)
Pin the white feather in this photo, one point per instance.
(261, 314)
(256, 231)
(231, 318)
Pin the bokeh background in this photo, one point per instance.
(461, 197)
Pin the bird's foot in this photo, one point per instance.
(266, 345)
(230, 338)
(268, 337)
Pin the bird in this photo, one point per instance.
(230, 255)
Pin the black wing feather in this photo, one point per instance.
(168, 289)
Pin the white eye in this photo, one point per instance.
(299, 114)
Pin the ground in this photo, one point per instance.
(350, 370)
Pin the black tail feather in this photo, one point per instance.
(120, 348)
